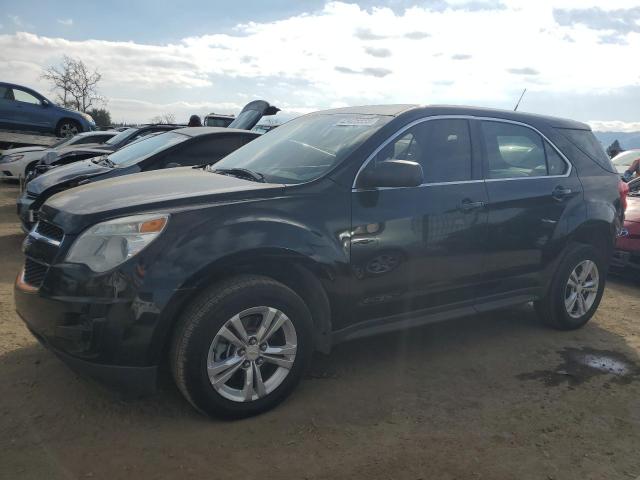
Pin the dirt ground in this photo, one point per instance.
(486, 397)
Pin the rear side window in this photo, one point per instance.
(516, 151)
(441, 147)
(588, 144)
(206, 151)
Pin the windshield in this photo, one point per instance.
(625, 159)
(121, 136)
(137, 151)
(305, 148)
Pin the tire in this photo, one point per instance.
(199, 343)
(67, 128)
(556, 308)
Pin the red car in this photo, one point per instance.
(627, 253)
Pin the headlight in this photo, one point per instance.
(11, 158)
(87, 117)
(108, 244)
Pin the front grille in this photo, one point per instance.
(50, 231)
(34, 272)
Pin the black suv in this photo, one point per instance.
(336, 225)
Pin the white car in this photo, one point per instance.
(16, 162)
(623, 160)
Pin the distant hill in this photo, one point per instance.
(628, 140)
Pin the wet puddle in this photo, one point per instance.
(582, 364)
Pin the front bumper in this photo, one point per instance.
(83, 334)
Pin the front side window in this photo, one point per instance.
(441, 147)
(515, 151)
(22, 96)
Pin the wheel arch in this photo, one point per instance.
(301, 274)
(598, 233)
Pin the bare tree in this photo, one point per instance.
(75, 84)
(164, 118)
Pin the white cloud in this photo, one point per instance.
(308, 61)
(67, 22)
(614, 126)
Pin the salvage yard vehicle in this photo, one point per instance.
(234, 274)
(246, 120)
(23, 108)
(624, 161)
(217, 120)
(74, 153)
(19, 162)
(182, 147)
(627, 252)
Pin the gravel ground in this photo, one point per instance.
(495, 397)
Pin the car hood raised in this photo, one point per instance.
(168, 189)
(60, 177)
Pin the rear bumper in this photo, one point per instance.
(625, 259)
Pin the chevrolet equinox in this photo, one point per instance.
(336, 225)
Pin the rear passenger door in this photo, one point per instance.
(530, 186)
(421, 248)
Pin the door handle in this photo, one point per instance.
(467, 205)
(560, 193)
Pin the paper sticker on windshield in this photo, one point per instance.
(357, 122)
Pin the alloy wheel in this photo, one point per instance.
(68, 130)
(252, 354)
(581, 289)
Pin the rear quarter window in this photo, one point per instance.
(587, 143)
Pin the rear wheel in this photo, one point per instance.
(242, 347)
(68, 128)
(576, 289)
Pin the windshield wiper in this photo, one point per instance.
(240, 172)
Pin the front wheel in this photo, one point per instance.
(576, 289)
(242, 346)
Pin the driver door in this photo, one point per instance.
(421, 248)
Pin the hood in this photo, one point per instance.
(173, 188)
(11, 151)
(83, 147)
(63, 176)
(632, 213)
(252, 113)
(66, 156)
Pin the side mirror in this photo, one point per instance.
(392, 173)
(45, 103)
(172, 165)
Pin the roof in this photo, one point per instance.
(432, 110)
(197, 131)
(392, 110)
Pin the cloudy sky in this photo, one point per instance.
(576, 58)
